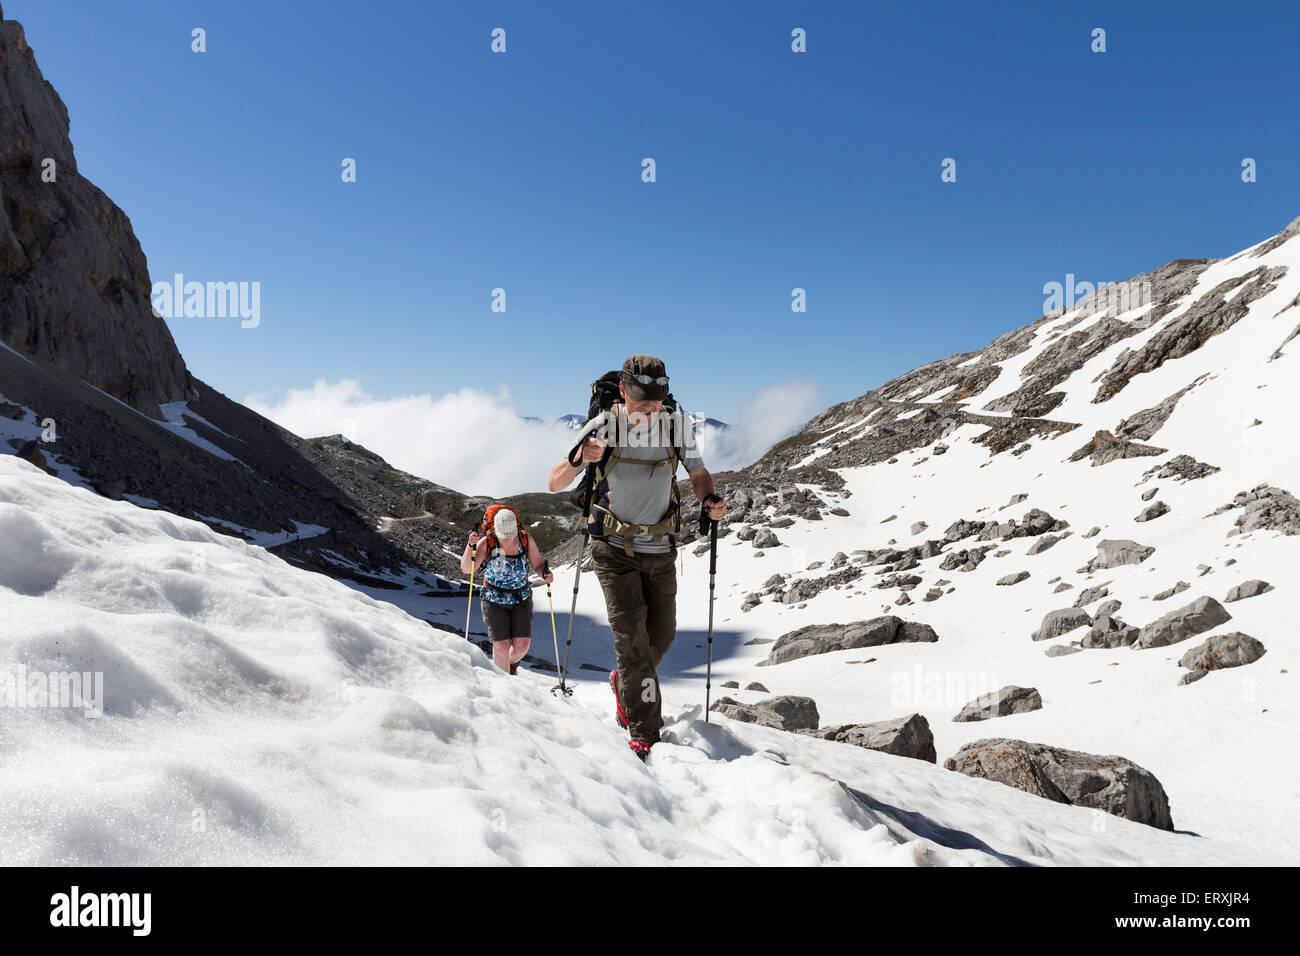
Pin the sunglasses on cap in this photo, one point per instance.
(646, 379)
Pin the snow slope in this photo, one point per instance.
(255, 713)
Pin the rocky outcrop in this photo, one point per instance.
(1264, 508)
(1001, 703)
(1109, 631)
(74, 283)
(903, 737)
(1182, 468)
(825, 638)
(1113, 784)
(1186, 622)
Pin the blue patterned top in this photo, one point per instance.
(503, 571)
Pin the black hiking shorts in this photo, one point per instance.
(506, 621)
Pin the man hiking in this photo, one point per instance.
(505, 552)
(634, 516)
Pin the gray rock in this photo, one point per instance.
(1061, 650)
(918, 527)
(1001, 703)
(1063, 586)
(1113, 784)
(1043, 543)
(1104, 448)
(1088, 595)
(1152, 511)
(1186, 622)
(766, 538)
(783, 713)
(903, 737)
(746, 533)
(756, 686)
(1249, 589)
(1108, 608)
(825, 638)
(1192, 677)
(1112, 553)
(1107, 631)
(1092, 532)
(730, 685)
(1149, 493)
(1062, 621)
(1013, 578)
(1178, 588)
(1223, 650)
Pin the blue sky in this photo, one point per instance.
(775, 170)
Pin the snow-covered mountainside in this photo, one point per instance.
(254, 712)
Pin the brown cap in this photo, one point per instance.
(644, 365)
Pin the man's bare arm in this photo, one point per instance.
(563, 473)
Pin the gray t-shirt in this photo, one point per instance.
(640, 494)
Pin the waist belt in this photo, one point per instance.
(609, 524)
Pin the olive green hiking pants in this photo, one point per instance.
(641, 601)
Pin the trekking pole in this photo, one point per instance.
(470, 605)
(554, 640)
(706, 521)
(562, 687)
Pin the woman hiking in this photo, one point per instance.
(504, 554)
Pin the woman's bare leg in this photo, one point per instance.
(501, 654)
(518, 648)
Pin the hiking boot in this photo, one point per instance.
(514, 668)
(641, 748)
(620, 715)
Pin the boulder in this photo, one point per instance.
(1223, 650)
(766, 538)
(783, 713)
(1062, 621)
(903, 737)
(1107, 631)
(1113, 784)
(1000, 703)
(1013, 578)
(1113, 553)
(1152, 511)
(1188, 621)
(823, 638)
(1249, 589)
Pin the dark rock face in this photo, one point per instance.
(1000, 703)
(1104, 448)
(903, 737)
(74, 284)
(1208, 316)
(1183, 468)
(824, 638)
(1223, 650)
(1147, 422)
(783, 713)
(1113, 784)
(1188, 621)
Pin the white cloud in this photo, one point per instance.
(476, 443)
(765, 418)
(471, 441)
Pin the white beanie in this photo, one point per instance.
(504, 524)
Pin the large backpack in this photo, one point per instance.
(605, 396)
(486, 528)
